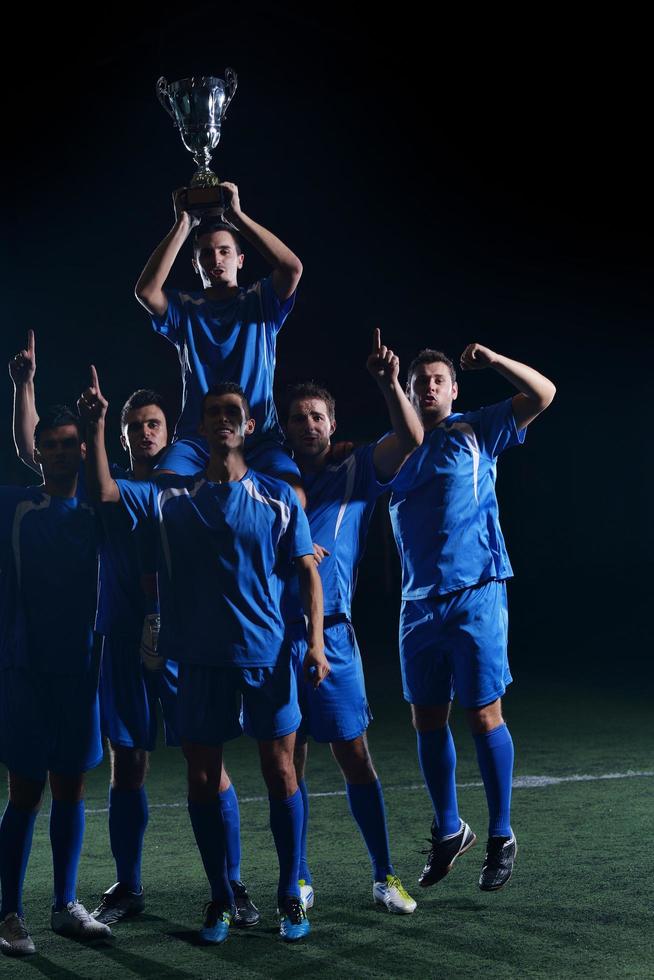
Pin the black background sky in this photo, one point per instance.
(447, 178)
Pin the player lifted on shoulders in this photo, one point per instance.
(224, 332)
(341, 499)
(225, 537)
(453, 623)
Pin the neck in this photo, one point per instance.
(227, 467)
(222, 290)
(142, 469)
(64, 487)
(434, 420)
(313, 464)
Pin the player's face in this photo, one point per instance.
(60, 452)
(309, 427)
(145, 432)
(217, 260)
(432, 392)
(224, 423)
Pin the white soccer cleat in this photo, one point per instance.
(75, 921)
(393, 895)
(15, 940)
(307, 894)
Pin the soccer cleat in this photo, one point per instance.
(393, 895)
(498, 863)
(443, 854)
(244, 912)
(74, 921)
(119, 903)
(293, 922)
(307, 894)
(216, 923)
(15, 940)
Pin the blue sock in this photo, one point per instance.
(128, 818)
(286, 825)
(207, 824)
(66, 836)
(367, 808)
(437, 757)
(232, 824)
(304, 873)
(16, 832)
(495, 757)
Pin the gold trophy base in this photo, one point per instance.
(202, 201)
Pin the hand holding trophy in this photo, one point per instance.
(198, 106)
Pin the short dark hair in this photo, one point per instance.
(309, 389)
(208, 227)
(430, 356)
(139, 399)
(54, 417)
(226, 388)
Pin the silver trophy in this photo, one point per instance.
(198, 106)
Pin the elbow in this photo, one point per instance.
(548, 396)
(294, 270)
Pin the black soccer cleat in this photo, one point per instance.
(498, 863)
(443, 853)
(245, 914)
(117, 903)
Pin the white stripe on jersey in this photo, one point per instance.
(284, 509)
(471, 441)
(162, 497)
(351, 464)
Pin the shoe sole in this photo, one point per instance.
(396, 911)
(8, 950)
(498, 888)
(434, 881)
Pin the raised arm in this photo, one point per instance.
(536, 391)
(22, 369)
(315, 666)
(393, 450)
(149, 289)
(287, 268)
(92, 407)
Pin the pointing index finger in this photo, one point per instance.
(30, 341)
(376, 340)
(94, 379)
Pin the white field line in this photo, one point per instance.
(520, 782)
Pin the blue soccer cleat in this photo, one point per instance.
(293, 922)
(216, 923)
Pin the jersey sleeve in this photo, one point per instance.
(275, 310)
(170, 324)
(139, 499)
(497, 428)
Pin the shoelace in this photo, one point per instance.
(395, 882)
(213, 913)
(17, 928)
(294, 910)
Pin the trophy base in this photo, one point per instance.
(203, 201)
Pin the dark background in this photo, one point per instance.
(448, 180)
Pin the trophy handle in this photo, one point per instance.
(231, 81)
(164, 97)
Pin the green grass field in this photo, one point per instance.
(579, 905)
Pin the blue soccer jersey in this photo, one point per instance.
(226, 340)
(124, 557)
(443, 506)
(48, 557)
(223, 552)
(340, 504)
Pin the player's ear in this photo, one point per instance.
(250, 426)
(240, 259)
(332, 427)
(455, 390)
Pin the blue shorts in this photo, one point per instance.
(456, 644)
(338, 710)
(210, 701)
(189, 456)
(129, 694)
(50, 722)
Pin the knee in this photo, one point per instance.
(485, 719)
(24, 794)
(429, 718)
(280, 778)
(355, 761)
(225, 781)
(129, 768)
(67, 789)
